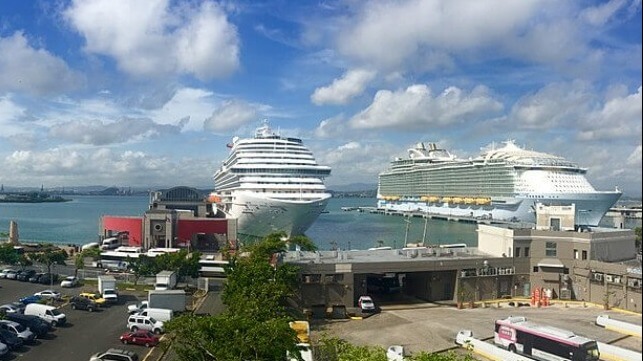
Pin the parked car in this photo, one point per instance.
(4, 272)
(25, 275)
(36, 324)
(10, 308)
(48, 278)
(11, 274)
(10, 339)
(49, 294)
(136, 322)
(366, 304)
(96, 297)
(140, 337)
(48, 313)
(30, 299)
(4, 349)
(82, 303)
(36, 278)
(136, 308)
(69, 281)
(17, 329)
(114, 354)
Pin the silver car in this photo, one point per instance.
(19, 330)
(9, 308)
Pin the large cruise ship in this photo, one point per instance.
(501, 183)
(270, 183)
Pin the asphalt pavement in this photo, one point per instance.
(85, 332)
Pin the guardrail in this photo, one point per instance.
(465, 339)
(619, 326)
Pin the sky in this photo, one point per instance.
(148, 93)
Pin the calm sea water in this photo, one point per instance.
(77, 222)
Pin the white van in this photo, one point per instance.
(110, 243)
(161, 314)
(51, 314)
(137, 322)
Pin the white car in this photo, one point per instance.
(9, 308)
(366, 304)
(48, 294)
(69, 281)
(5, 272)
(136, 308)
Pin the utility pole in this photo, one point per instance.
(406, 233)
(426, 221)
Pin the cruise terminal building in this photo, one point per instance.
(596, 265)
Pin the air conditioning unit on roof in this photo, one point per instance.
(608, 278)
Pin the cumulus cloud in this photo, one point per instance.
(10, 114)
(342, 90)
(97, 132)
(620, 117)
(331, 127)
(601, 14)
(553, 106)
(148, 38)
(232, 114)
(24, 68)
(356, 161)
(67, 166)
(416, 107)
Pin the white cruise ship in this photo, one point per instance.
(501, 183)
(270, 183)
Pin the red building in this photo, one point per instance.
(180, 217)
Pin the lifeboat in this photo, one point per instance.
(433, 199)
(424, 199)
(469, 200)
(447, 199)
(214, 198)
(395, 198)
(457, 200)
(483, 201)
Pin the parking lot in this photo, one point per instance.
(433, 328)
(85, 332)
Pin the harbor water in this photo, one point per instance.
(77, 222)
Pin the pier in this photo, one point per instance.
(418, 214)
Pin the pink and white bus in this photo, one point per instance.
(540, 342)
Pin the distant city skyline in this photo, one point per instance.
(148, 93)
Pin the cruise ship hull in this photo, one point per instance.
(258, 215)
(590, 207)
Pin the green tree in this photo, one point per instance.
(8, 255)
(50, 257)
(143, 266)
(254, 325)
(182, 262)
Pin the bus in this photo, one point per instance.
(546, 343)
(153, 252)
(118, 259)
(210, 267)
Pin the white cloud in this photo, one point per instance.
(634, 159)
(416, 108)
(553, 106)
(10, 114)
(620, 117)
(125, 130)
(67, 166)
(601, 14)
(342, 90)
(230, 115)
(331, 127)
(356, 161)
(149, 38)
(35, 71)
(191, 103)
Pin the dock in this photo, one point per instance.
(418, 214)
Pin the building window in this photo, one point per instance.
(584, 253)
(535, 269)
(576, 255)
(527, 252)
(550, 249)
(517, 252)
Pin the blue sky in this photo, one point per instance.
(148, 93)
